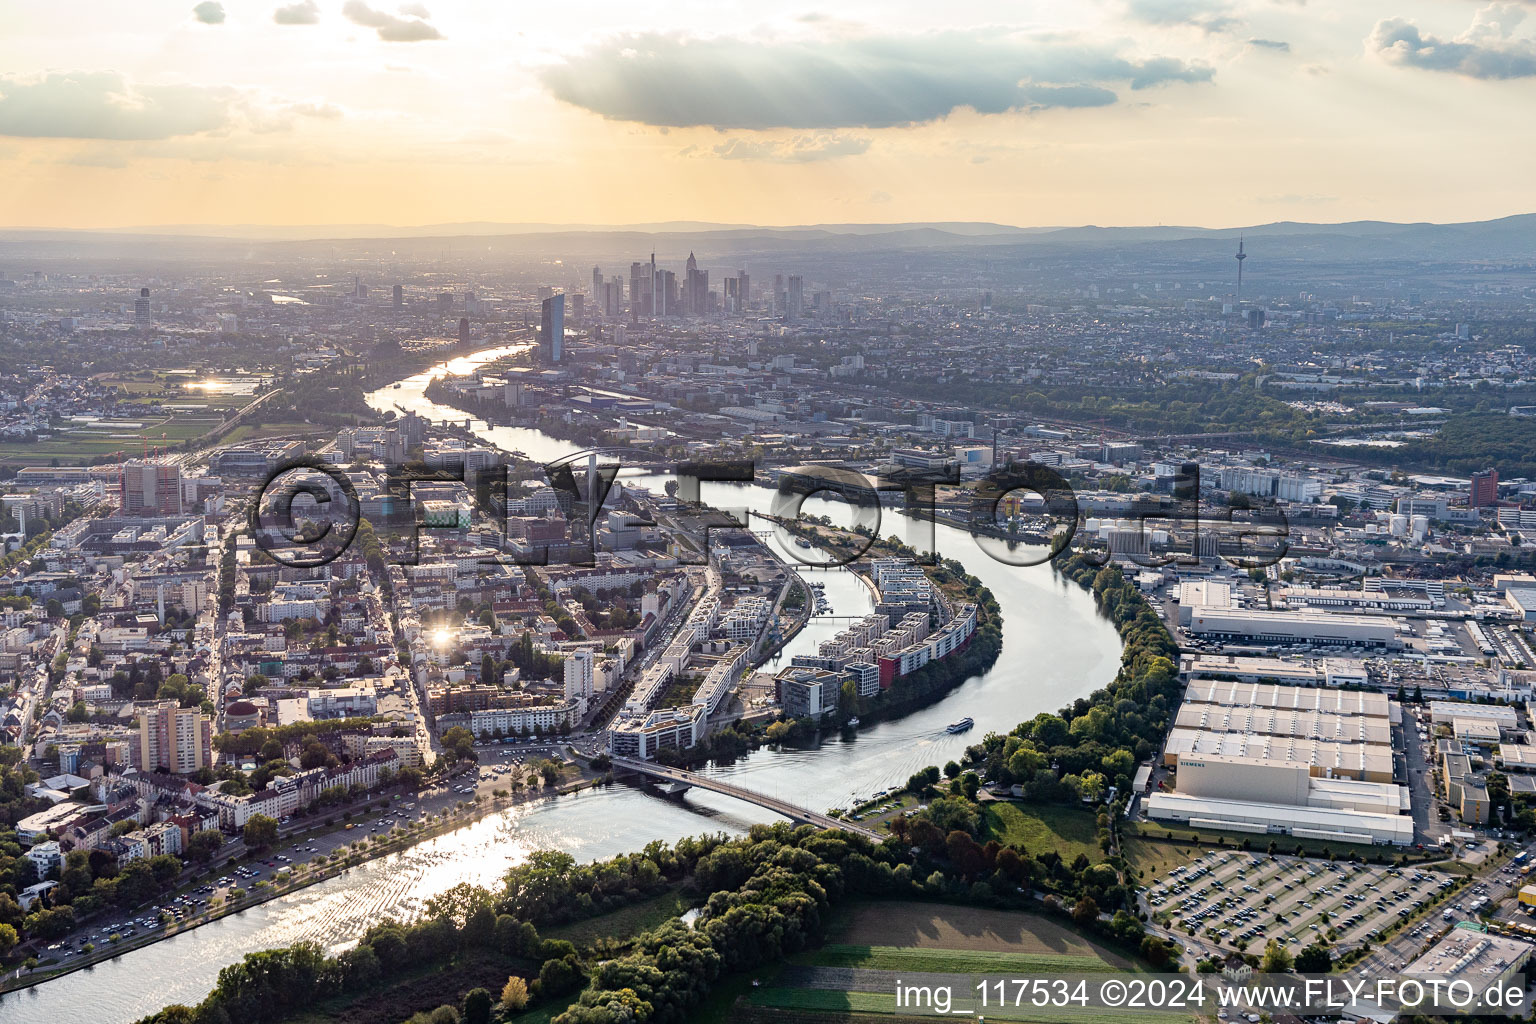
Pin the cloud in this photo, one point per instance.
(801, 149)
(305, 12)
(870, 81)
(391, 29)
(1277, 45)
(209, 13)
(105, 105)
(416, 11)
(1487, 50)
(324, 111)
(1206, 15)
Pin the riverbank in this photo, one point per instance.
(464, 814)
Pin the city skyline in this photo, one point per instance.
(1139, 112)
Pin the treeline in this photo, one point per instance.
(250, 741)
(765, 896)
(1098, 740)
(1467, 444)
(273, 985)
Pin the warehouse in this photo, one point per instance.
(1296, 698)
(1247, 670)
(1361, 761)
(1315, 725)
(1344, 734)
(1445, 712)
(1260, 796)
(1303, 627)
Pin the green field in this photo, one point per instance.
(952, 961)
(1067, 830)
(1155, 858)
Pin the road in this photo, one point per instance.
(305, 841)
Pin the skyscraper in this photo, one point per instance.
(597, 286)
(578, 675)
(1485, 489)
(141, 314)
(578, 307)
(174, 739)
(464, 331)
(149, 489)
(642, 284)
(795, 305)
(552, 329)
(399, 296)
(695, 288)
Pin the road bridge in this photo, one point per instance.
(794, 812)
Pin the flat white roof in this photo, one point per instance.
(1393, 828)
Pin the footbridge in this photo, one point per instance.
(794, 812)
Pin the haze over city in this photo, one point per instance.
(323, 112)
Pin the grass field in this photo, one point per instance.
(952, 961)
(1067, 830)
(1155, 858)
(622, 923)
(946, 928)
(245, 432)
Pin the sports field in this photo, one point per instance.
(874, 946)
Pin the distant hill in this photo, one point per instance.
(1508, 238)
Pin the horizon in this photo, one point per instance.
(211, 229)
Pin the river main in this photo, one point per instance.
(1056, 648)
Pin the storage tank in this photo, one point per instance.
(1420, 527)
(1399, 526)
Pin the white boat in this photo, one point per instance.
(962, 725)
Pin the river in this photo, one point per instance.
(1056, 648)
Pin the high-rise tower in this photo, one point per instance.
(1240, 257)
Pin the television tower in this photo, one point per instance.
(1240, 257)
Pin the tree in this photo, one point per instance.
(514, 994)
(477, 1006)
(8, 939)
(1315, 959)
(1085, 911)
(1276, 960)
(203, 845)
(260, 832)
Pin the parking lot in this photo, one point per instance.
(1242, 900)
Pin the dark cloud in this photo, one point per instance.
(873, 81)
(306, 12)
(1277, 45)
(1206, 15)
(799, 150)
(209, 13)
(1487, 50)
(391, 28)
(105, 105)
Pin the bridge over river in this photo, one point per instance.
(794, 812)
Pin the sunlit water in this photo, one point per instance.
(1056, 648)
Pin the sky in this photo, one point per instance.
(119, 113)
